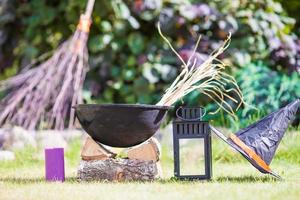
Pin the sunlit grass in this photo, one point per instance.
(233, 177)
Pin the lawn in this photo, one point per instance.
(233, 178)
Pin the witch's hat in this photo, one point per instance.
(259, 141)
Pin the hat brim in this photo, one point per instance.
(236, 147)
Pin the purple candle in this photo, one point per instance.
(54, 164)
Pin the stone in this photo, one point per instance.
(68, 134)
(7, 155)
(51, 139)
(18, 138)
(4, 137)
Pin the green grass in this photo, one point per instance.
(233, 178)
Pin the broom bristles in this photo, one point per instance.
(208, 77)
(47, 92)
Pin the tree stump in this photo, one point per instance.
(98, 163)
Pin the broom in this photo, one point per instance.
(47, 92)
(207, 76)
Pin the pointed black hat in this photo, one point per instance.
(259, 141)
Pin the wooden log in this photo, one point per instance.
(94, 151)
(117, 170)
(149, 150)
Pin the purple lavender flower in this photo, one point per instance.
(197, 10)
(141, 59)
(274, 43)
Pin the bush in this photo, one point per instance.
(266, 89)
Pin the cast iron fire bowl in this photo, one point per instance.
(120, 125)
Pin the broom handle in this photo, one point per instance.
(89, 8)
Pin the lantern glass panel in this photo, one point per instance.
(191, 154)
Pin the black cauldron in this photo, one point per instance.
(120, 125)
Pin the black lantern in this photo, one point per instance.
(189, 125)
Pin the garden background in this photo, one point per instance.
(130, 63)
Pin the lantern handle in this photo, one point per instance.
(194, 119)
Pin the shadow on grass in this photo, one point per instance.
(33, 180)
(241, 179)
(232, 179)
(246, 179)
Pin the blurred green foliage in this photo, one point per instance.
(270, 86)
(130, 63)
(292, 8)
(261, 84)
